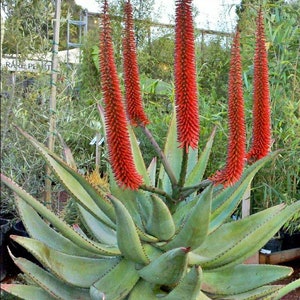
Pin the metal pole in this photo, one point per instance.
(52, 123)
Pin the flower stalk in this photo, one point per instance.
(235, 161)
(186, 100)
(133, 95)
(261, 134)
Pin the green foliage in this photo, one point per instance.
(27, 107)
(28, 27)
(156, 59)
(213, 65)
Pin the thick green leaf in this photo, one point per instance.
(143, 288)
(129, 198)
(55, 287)
(183, 209)
(152, 171)
(138, 204)
(76, 184)
(117, 283)
(152, 252)
(101, 232)
(232, 280)
(189, 287)
(160, 223)
(137, 157)
(76, 270)
(26, 292)
(174, 157)
(167, 268)
(233, 242)
(40, 230)
(286, 289)
(192, 234)
(226, 201)
(127, 235)
(197, 172)
(264, 293)
(63, 227)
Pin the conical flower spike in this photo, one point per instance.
(261, 135)
(119, 147)
(236, 118)
(185, 77)
(133, 95)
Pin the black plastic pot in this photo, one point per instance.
(8, 267)
(273, 245)
(4, 257)
(291, 241)
(15, 248)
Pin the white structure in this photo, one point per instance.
(39, 63)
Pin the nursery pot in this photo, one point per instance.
(291, 241)
(16, 249)
(5, 226)
(273, 245)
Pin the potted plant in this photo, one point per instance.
(160, 231)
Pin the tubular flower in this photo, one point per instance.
(187, 113)
(133, 95)
(236, 119)
(261, 135)
(119, 147)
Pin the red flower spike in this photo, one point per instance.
(187, 111)
(119, 147)
(236, 119)
(133, 97)
(261, 135)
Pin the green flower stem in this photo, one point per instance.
(161, 155)
(184, 163)
(157, 191)
(177, 190)
(186, 191)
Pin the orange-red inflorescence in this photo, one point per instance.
(133, 96)
(236, 119)
(261, 135)
(187, 111)
(118, 141)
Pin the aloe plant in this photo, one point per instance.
(156, 232)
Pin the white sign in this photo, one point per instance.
(12, 64)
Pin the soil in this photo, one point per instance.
(295, 295)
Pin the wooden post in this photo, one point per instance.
(246, 205)
(52, 124)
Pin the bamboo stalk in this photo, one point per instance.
(52, 122)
